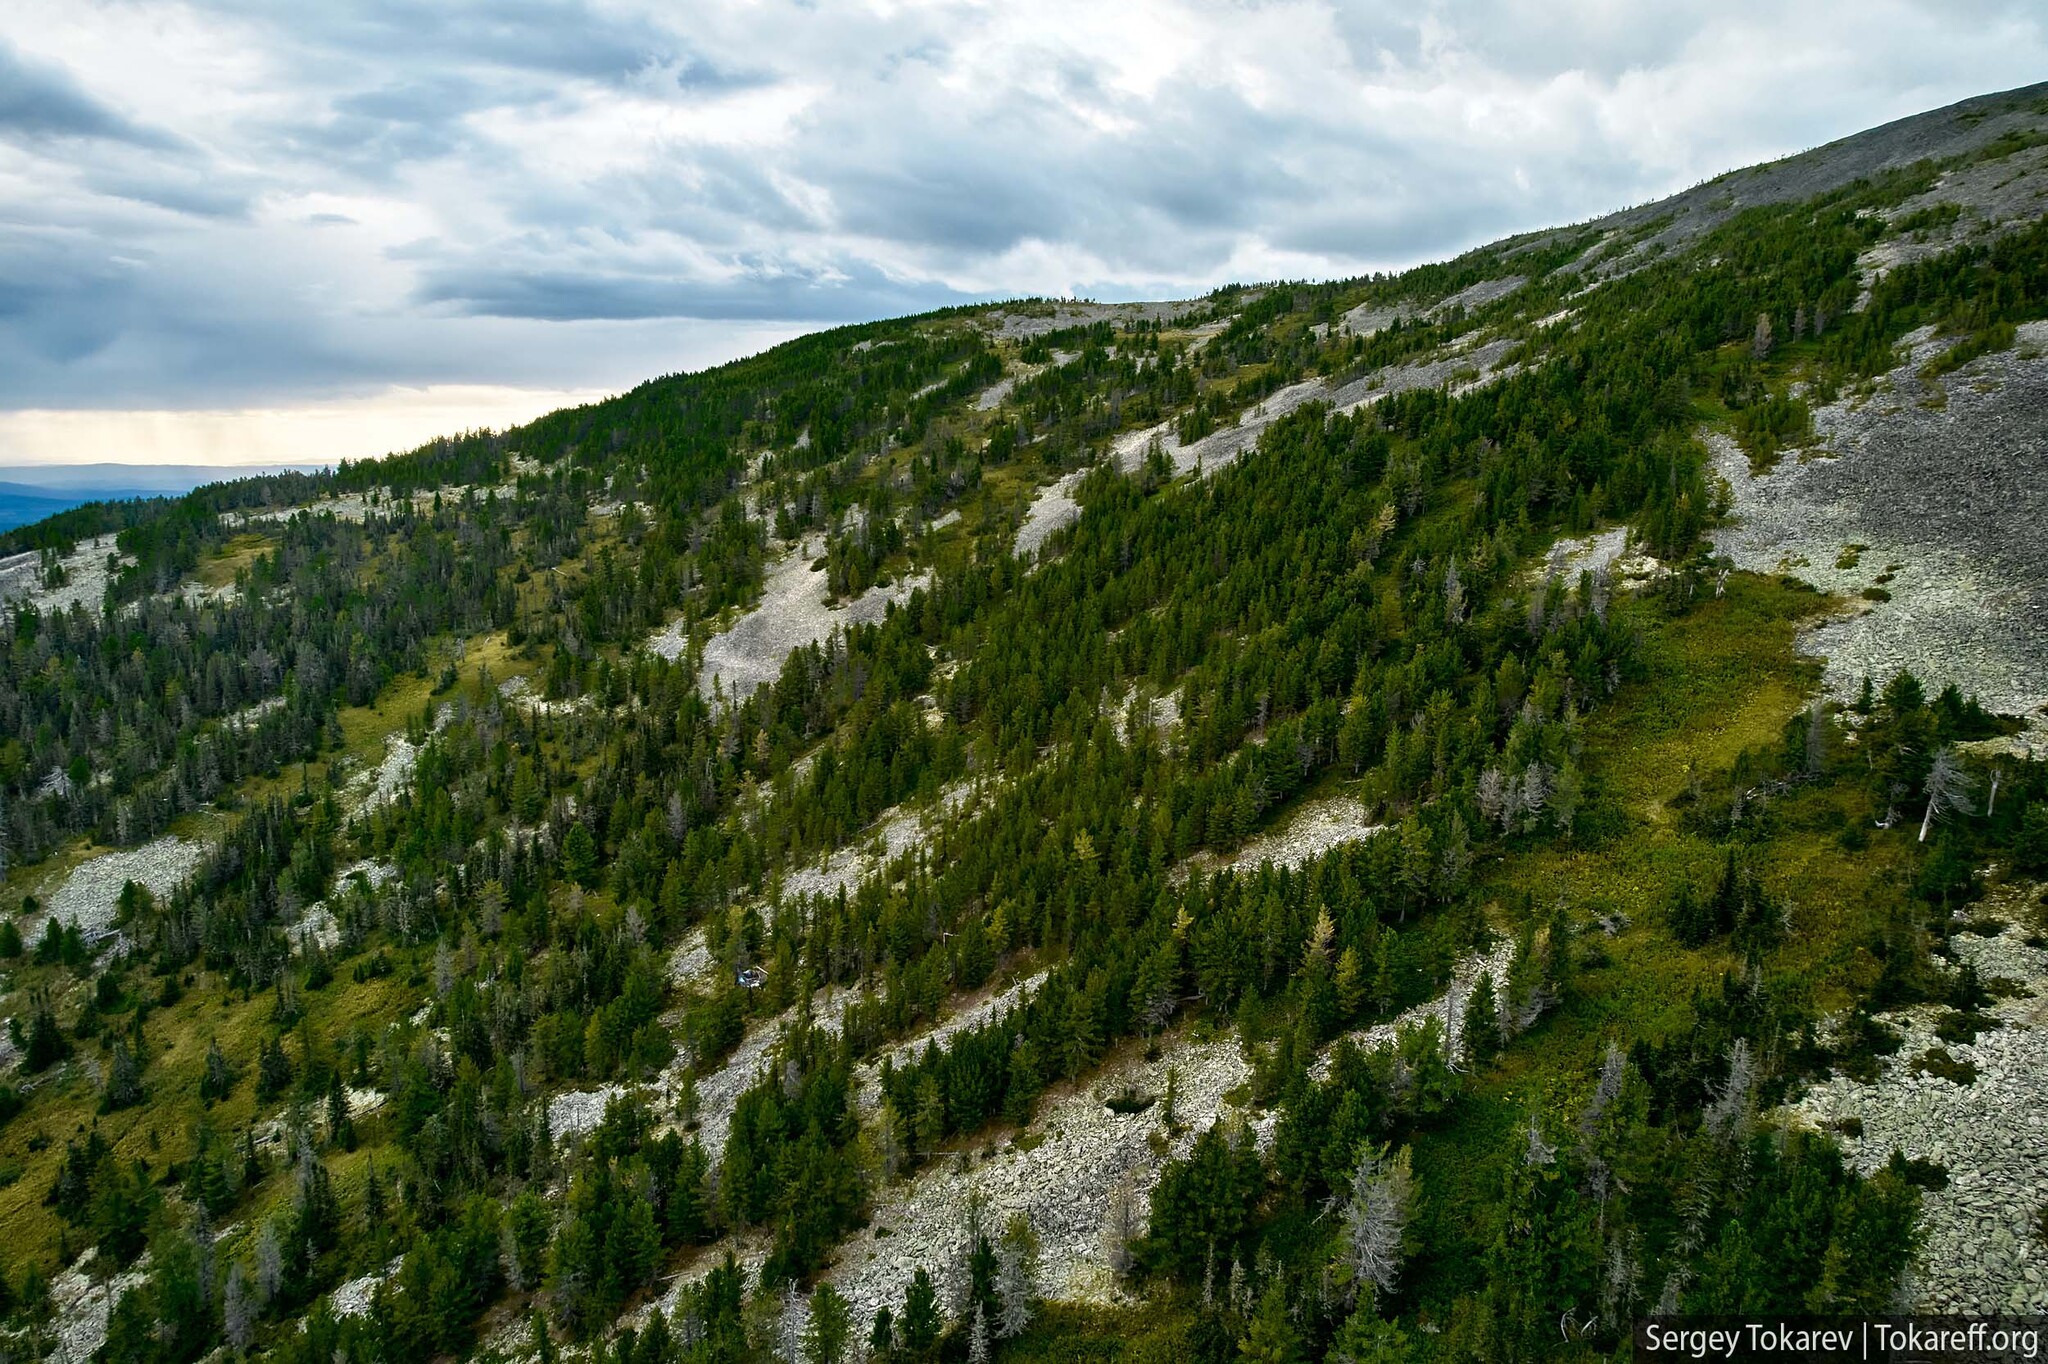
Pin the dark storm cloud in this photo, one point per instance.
(57, 304)
(200, 196)
(97, 326)
(40, 101)
(824, 297)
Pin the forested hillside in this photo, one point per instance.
(1278, 826)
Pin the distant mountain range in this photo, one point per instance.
(21, 504)
(29, 493)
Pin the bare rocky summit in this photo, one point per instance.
(1656, 228)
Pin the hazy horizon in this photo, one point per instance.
(119, 473)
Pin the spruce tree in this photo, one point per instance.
(921, 1323)
(124, 1080)
(828, 1327)
(1481, 1031)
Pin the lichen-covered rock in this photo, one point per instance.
(83, 1304)
(90, 895)
(1932, 504)
(1982, 1253)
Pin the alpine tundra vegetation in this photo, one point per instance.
(1417, 817)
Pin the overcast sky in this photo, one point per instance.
(237, 230)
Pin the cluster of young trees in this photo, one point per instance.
(1655, 1187)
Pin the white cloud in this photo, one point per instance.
(231, 206)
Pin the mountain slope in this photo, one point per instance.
(1989, 129)
(1302, 822)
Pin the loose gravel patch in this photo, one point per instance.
(1314, 829)
(1053, 509)
(348, 507)
(718, 1094)
(1062, 1173)
(970, 1012)
(1590, 553)
(691, 961)
(518, 689)
(84, 1304)
(792, 613)
(85, 577)
(383, 782)
(1946, 495)
(316, 927)
(895, 833)
(1667, 225)
(577, 1111)
(352, 1299)
(1995, 197)
(92, 891)
(1479, 295)
(1982, 1254)
(1006, 325)
(391, 775)
(670, 642)
(1061, 1178)
(1368, 320)
(248, 716)
(1448, 1008)
(375, 872)
(1611, 550)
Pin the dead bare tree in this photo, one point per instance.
(1016, 1261)
(1727, 1117)
(1948, 789)
(1120, 1226)
(1376, 1219)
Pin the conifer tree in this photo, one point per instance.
(124, 1080)
(1481, 1030)
(920, 1323)
(828, 1327)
